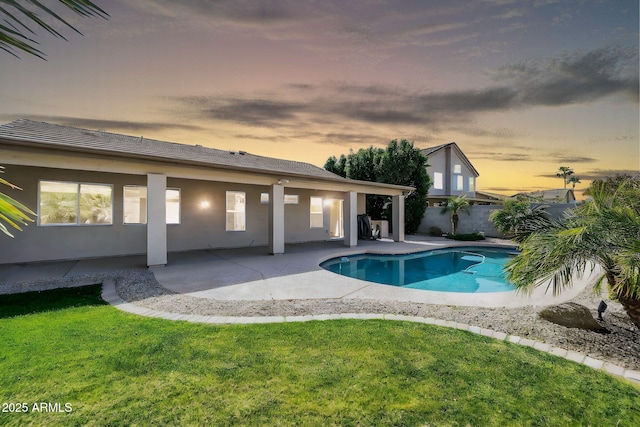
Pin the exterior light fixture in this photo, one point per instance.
(204, 204)
(601, 308)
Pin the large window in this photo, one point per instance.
(71, 203)
(438, 182)
(458, 182)
(236, 211)
(315, 211)
(289, 199)
(173, 206)
(135, 205)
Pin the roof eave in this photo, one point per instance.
(279, 174)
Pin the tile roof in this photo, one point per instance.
(76, 139)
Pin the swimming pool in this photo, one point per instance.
(460, 269)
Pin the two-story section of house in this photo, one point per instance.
(451, 173)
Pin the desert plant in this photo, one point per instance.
(454, 205)
(12, 212)
(435, 231)
(518, 218)
(605, 230)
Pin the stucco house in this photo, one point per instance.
(104, 194)
(451, 173)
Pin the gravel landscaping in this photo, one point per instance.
(621, 346)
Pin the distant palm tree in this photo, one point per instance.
(605, 230)
(15, 17)
(564, 172)
(573, 180)
(454, 205)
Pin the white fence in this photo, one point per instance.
(476, 220)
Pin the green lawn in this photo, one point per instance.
(115, 368)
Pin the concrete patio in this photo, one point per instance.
(253, 274)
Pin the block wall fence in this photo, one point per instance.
(476, 220)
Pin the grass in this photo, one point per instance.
(116, 368)
(43, 301)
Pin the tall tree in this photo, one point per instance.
(573, 180)
(605, 230)
(20, 18)
(400, 163)
(564, 172)
(337, 166)
(403, 164)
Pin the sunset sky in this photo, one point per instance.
(523, 87)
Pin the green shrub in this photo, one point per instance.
(435, 231)
(470, 237)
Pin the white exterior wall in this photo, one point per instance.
(200, 227)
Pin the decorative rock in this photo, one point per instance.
(572, 315)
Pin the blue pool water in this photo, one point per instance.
(461, 269)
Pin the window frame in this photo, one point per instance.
(289, 199)
(235, 212)
(316, 215)
(438, 178)
(124, 187)
(458, 182)
(78, 202)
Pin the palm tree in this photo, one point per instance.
(573, 180)
(603, 231)
(564, 172)
(454, 205)
(15, 33)
(519, 218)
(12, 212)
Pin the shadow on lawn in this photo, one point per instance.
(52, 300)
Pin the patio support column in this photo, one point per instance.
(351, 219)
(156, 219)
(362, 203)
(276, 219)
(397, 216)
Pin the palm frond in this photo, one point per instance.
(16, 16)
